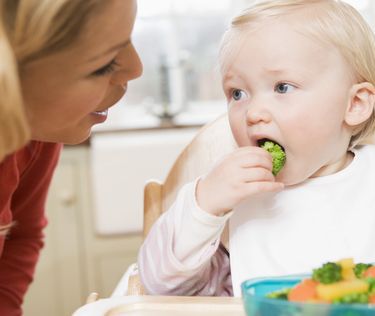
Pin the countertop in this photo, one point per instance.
(133, 118)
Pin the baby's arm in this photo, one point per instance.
(181, 254)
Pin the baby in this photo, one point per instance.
(299, 73)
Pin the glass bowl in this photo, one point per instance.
(257, 304)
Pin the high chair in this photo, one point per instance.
(213, 141)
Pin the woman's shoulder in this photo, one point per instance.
(34, 154)
(41, 154)
(42, 148)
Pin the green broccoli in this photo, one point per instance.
(330, 272)
(279, 294)
(360, 268)
(352, 298)
(278, 155)
(371, 283)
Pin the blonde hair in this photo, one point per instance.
(330, 21)
(31, 29)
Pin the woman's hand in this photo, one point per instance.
(245, 172)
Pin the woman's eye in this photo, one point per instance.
(237, 94)
(107, 69)
(283, 87)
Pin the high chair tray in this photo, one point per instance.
(163, 306)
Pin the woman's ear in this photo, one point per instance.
(361, 103)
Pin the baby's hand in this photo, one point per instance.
(243, 173)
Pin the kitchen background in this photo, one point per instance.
(95, 205)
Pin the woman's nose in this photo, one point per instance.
(130, 67)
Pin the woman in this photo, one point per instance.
(63, 64)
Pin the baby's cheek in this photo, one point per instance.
(238, 127)
(240, 136)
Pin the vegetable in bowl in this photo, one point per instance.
(348, 293)
(334, 282)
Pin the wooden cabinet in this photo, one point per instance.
(78, 257)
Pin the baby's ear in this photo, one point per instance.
(360, 104)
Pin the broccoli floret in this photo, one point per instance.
(330, 272)
(371, 283)
(352, 298)
(360, 268)
(279, 294)
(278, 156)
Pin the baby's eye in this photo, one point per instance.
(237, 94)
(283, 87)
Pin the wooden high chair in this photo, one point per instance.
(212, 142)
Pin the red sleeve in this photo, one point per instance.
(23, 243)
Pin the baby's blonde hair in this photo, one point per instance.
(331, 21)
(30, 29)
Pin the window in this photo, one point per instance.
(178, 41)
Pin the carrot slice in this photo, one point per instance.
(369, 273)
(304, 291)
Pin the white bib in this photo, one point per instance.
(324, 219)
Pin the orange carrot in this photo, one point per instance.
(304, 291)
(371, 299)
(370, 272)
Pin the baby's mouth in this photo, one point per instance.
(277, 152)
(261, 142)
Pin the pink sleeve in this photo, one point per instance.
(204, 269)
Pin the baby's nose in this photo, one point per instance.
(256, 114)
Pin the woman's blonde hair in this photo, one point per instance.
(331, 21)
(30, 29)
